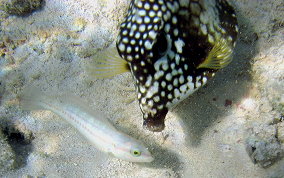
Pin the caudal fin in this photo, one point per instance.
(107, 64)
(31, 99)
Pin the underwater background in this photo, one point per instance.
(232, 127)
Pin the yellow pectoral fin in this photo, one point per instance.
(107, 64)
(219, 57)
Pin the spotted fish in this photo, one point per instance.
(172, 48)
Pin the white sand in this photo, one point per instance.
(202, 138)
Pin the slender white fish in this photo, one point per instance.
(92, 125)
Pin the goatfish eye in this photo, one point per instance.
(136, 153)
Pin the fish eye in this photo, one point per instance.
(161, 46)
(136, 153)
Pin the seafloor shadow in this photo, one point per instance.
(206, 106)
(165, 159)
(20, 143)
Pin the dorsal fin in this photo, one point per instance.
(219, 57)
(107, 64)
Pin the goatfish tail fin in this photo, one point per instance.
(107, 64)
(32, 99)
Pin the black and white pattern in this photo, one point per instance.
(164, 41)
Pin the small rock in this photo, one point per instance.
(264, 153)
(263, 144)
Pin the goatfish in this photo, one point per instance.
(91, 124)
(171, 48)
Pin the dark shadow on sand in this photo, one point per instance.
(165, 159)
(20, 143)
(203, 109)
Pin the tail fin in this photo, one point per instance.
(107, 64)
(31, 99)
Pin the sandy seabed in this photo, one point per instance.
(232, 127)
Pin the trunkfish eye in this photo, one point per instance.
(160, 47)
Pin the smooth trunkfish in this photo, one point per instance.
(172, 48)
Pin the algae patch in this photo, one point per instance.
(20, 7)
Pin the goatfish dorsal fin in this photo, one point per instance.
(107, 64)
(219, 56)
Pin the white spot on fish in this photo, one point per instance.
(179, 45)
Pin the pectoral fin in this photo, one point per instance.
(219, 57)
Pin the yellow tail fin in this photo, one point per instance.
(107, 64)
